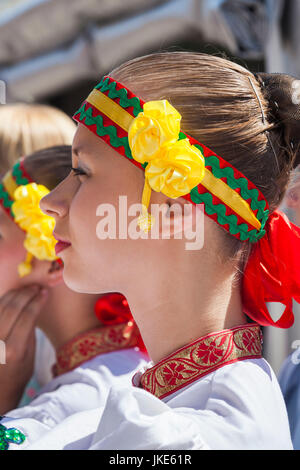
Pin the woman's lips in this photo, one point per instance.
(60, 246)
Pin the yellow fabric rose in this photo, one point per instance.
(179, 169)
(26, 207)
(39, 241)
(157, 125)
(175, 166)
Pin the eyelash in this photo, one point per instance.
(78, 171)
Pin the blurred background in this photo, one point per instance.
(53, 52)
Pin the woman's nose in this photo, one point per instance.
(55, 203)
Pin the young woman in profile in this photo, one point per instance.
(26, 128)
(92, 351)
(187, 129)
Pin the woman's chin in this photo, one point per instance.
(78, 284)
(73, 283)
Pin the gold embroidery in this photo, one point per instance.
(94, 342)
(202, 357)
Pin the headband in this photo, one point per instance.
(176, 164)
(179, 165)
(20, 197)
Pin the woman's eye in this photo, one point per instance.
(78, 171)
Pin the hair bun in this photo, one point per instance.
(283, 93)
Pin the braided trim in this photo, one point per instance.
(4, 196)
(223, 219)
(18, 175)
(246, 193)
(86, 116)
(240, 183)
(125, 102)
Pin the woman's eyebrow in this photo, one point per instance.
(81, 152)
(84, 156)
(77, 150)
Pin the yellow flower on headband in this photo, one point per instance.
(26, 207)
(175, 166)
(157, 125)
(39, 241)
(180, 169)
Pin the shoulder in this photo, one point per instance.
(239, 406)
(251, 382)
(244, 397)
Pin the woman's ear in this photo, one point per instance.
(183, 220)
(55, 273)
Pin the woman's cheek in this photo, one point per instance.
(83, 217)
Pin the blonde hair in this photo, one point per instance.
(26, 128)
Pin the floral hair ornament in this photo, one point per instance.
(20, 198)
(174, 166)
(149, 135)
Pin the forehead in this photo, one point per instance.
(85, 141)
(92, 151)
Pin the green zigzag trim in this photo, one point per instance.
(17, 173)
(241, 183)
(220, 210)
(125, 102)
(86, 116)
(4, 196)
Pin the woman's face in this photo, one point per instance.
(93, 264)
(12, 253)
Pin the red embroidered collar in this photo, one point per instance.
(91, 343)
(202, 357)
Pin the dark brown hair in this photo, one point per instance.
(49, 166)
(222, 105)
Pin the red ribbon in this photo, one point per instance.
(272, 273)
(113, 309)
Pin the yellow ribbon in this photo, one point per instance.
(9, 184)
(111, 109)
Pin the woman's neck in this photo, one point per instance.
(181, 311)
(67, 314)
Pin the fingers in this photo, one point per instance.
(20, 335)
(11, 307)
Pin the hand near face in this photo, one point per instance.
(19, 310)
